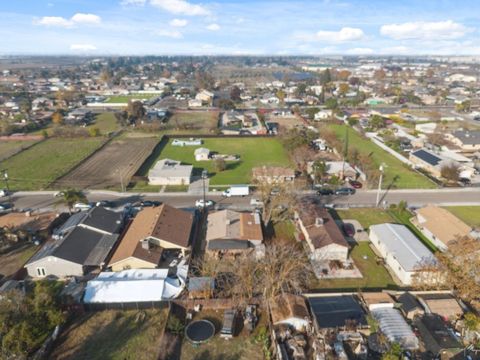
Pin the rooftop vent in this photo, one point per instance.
(145, 244)
(319, 222)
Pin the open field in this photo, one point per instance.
(106, 123)
(468, 214)
(242, 346)
(397, 174)
(13, 261)
(127, 98)
(38, 166)
(285, 122)
(252, 151)
(113, 335)
(117, 162)
(375, 276)
(12, 147)
(196, 122)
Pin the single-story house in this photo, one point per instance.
(321, 232)
(337, 312)
(429, 161)
(202, 154)
(467, 140)
(410, 306)
(440, 226)
(151, 231)
(436, 336)
(322, 115)
(339, 169)
(83, 248)
(273, 174)
(170, 172)
(291, 310)
(444, 305)
(231, 232)
(402, 251)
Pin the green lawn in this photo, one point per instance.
(106, 123)
(127, 98)
(113, 335)
(176, 188)
(375, 276)
(396, 172)
(366, 216)
(470, 215)
(38, 166)
(8, 148)
(252, 151)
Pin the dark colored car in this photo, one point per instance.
(150, 203)
(355, 184)
(464, 182)
(348, 229)
(325, 192)
(345, 191)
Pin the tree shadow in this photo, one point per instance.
(390, 186)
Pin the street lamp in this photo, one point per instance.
(204, 176)
(381, 168)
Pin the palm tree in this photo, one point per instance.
(72, 196)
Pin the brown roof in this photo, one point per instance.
(442, 304)
(250, 227)
(229, 224)
(443, 224)
(164, 222)
(377, 298)
(22, 221)
(320, 234)
(286, 306)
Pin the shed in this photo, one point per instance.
(202, 154)
(409, 305)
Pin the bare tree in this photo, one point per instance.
(450, 172)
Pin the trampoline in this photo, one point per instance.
(200, 331)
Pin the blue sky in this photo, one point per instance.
(264, 27)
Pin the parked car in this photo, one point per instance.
(201, 204)
(345, 191)
(465, 182)
(228, 326)
(5, 208)
(3, 192)
(82, 206)
(325, 192)
(355, 184)
(256, 202)
(105, 203)
(150, 203)
(348, 229)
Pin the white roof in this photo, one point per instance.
(399, 241)
(138, 285)
(170, 168)
(395, 328)
(201, 151)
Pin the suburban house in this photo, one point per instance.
(202, 154)
(205, 96)
(467, 140)
(170, 172)
(340, 169)
(273, 174)
(290, 310)
(230, 232)
(79, 116)
(321, 232)
(151, 232)
(429, 161)
(440, 226)
(322, 115)
(79, 249)
(402, 251)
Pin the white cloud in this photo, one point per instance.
(133, 2)
(80, 18)
(180, 7)
(343, 35)
(76, 19)
(396, 50)
(213, 27)
(425, 30)
(83, 47)
(360, 51)
(178, 22)
(175, 34)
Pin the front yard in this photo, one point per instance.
(252, 151)
(111, 334)
(470, 215)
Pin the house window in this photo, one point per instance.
(41, 271)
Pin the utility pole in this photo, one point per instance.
(204, 176)
(377, 204)
(345, 151)
(5, 178)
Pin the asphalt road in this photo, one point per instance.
(466, 196)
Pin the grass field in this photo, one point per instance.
(253, 152)
(396, 173)
(366, 217)
(106, 123)
(468, 214)
(38, 166)
(112, 335)
(196, 122)
(127, 98)
(375, 275)
(9, 148)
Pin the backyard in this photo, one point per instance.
(468, 214)
(253, 152)
(397, 174)
(112, 334)
(37, 167)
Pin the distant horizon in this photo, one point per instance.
(240, 27)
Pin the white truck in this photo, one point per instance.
(237, 190)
